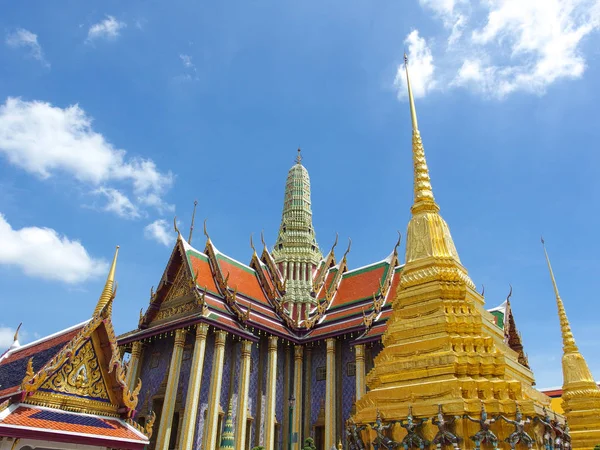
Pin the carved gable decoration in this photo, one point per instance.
(181, 285)
(80, 376)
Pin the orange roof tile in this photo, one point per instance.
(56, 420)
(199, 264)
(360, 284)
(242, 278)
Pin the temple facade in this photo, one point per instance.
(281, 345)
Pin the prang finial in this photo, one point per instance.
(193, 219)
(299, 156)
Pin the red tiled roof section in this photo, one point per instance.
(22, 416)
(358, 286)
(336, 327)
(242, 279)
(394, 287)
(327, 284)
(205, 277)
(29, 351)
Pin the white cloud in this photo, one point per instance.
(515, 45)
(191, 73)
(43, 253)
(421, 66)
(47, 140)
(118, 203)
(110, 28)
(159, 232)
(6, 338)
(22, 38)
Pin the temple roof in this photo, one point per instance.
(78, 370)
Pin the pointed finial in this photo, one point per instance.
(16, 343)
(252, 245)
(175, 226)
(509, 294)
(193, 219)
(424, 200)
(299, 156)
(262, 239)
(569, 344)
(413, 111)
(398, 242)
(348, 249)
(334, 243)
(482, 290)
(206, 232)
(108, 291)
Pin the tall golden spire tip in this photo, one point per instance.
(299, 156)
(193, 219)
(569, 344)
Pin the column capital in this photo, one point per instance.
(246, 348)
(179, 337)
(220, 337)
(201, 330)
(298, 351)
(273, 343)
(136, 349)
(359, 351)
(330, 344)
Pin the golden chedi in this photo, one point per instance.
(581, 395)
(441, 346)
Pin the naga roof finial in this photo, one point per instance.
(335, 243)
(206, 232)
(175, 227)
(262, 239)
(509, 294)
(16, 343)
(108, 293)
(252, 245)
(482, 290)
(193, 219)
(348, 249)
(398, 242)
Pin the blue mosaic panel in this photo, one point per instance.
(348, 384)
(12, 374)
(262, 397)
(252, 391)
(279, 400)
(236, 366)
(74, 419)
(319, 359)
(205, 387)
(186, 365)
(153, 369)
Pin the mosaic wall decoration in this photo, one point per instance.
(319, 359)
(348, 384)
(205, 386)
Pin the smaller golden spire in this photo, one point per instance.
(299, 156)
(193, 219)
(569, 344)
(423, 194)
(108, 291)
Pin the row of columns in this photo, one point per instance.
(195, 379)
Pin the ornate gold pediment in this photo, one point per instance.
(81, 376)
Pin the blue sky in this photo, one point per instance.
(115, 117)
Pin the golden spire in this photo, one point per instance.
(424, 200)
(569, 345)
(108, 291)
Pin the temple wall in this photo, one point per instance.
(319, 359)
(347, 390)
(281, 403)
(205, 386)
(252, 392)
(154, 368)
